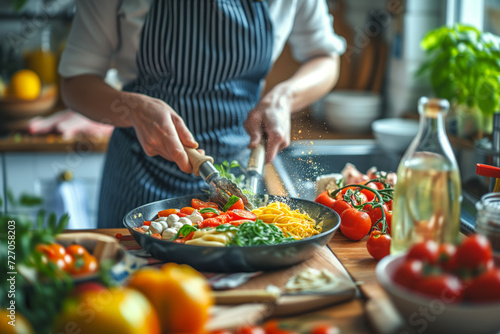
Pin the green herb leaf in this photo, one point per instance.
(258, 233)
(184, 231)
(232, 200)
(206, 210)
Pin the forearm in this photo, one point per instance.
(92, 97)
(311, 81)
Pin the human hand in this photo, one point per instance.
(270, 120)
(160, 130)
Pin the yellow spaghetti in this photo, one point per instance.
(297, 225)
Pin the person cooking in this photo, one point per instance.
(192, 74)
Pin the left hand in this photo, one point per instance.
(270, 120)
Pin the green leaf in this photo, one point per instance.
(232, 200)
(212, 210)
(52, 222)
(30, 200)
(485, 98)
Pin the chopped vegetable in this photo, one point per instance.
(255, 234)
(232, 200)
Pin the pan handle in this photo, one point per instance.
(196, 159)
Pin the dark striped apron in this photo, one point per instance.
(206, 59)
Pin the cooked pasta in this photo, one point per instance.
(294, 223)
(211, 238)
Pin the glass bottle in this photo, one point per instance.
(428, 192)
(488, 219)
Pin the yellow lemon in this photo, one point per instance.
(24, 84)
(14, 323)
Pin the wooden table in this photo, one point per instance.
(351, 316)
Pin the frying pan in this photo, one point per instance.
(234, 258)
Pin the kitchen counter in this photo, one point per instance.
(354, 316)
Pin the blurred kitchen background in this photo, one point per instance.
(53, 153)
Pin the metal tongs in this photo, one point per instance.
(255, 168)
(221, 188)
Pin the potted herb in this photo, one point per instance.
(463, 65)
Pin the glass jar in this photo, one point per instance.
(488, 219)
(428, 190)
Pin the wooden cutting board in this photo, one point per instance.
(251, 313)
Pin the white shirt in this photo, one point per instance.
(106, 33)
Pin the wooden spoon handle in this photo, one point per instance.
(196, 159)
(257, 158)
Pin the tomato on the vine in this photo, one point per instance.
(355, 224)
(325, 199)
(340, 206)
(378, 244)
(447, 258)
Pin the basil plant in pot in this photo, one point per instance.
(463, 66)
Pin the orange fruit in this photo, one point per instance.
(25, 85)
(22, 326)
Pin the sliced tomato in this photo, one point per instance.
(157, 236)
(187, 210)
(199, 204)
(182, 214)
(239, 205)
(146, 223)
(167, 212)
(213, 222)
(239, 222)
(238, 214)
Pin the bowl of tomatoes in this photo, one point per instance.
(445, 288)
(83, 255)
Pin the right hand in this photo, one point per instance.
(160, 130)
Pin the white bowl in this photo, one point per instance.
(433, 315)
(394, 134)
(351, 111)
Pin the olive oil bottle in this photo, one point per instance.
(428, 190)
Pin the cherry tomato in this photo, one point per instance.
(83, 265)
(370, 195)
(156, 236)
(474, 253)
(426, 251)
(248, 329)
(445, 287)
(325, 329)
(355, 224)
(374, 213)
(325, 199)
(408, 273)
(241, 214)
(484, 288)
(167, 212)
(388, 220)
(273, 327)
(447, 259)
(199, 204)
(378, 244)
(239, 205)
(182, 214)
(53, 251)
(76, 250)
(187, 210)
(340, 206)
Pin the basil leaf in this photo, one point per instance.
(225, 228)
(232, 200)
(212, 210)
(184, 231)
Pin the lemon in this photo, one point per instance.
(22, 326)
(25, 85)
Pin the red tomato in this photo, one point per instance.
(340, 206)
(447, 259)
(209, 214)
(83, 265)
(239, 205)
(156, 236)
(239, 222)
(355, 224)
(146, 222)
(484, 288)
(325, 199)
(426, 251)
(374, 213)
(76, 250)
(272, 327)
(182, 214)
(378, 244)
(474, 253)
(370, 195)
(213, 222)
(445, 287)
(53, 251)
(187, 210)
(248, 329)
(325, 329)
(199, 204)
(241, 214)
(408, 273)
(388, 219)
(167, 212)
